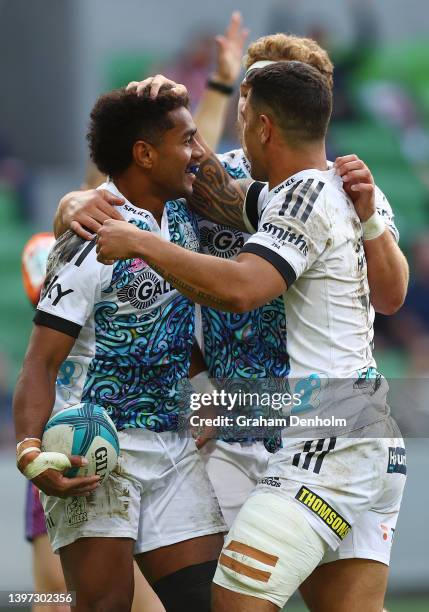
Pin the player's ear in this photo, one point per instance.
(144, 154)
(265, 128)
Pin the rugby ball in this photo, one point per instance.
(87, 430)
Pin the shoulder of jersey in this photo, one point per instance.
(298, 198)
(235, 161)
(69, 249)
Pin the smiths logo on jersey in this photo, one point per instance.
(286, 236)
(144, 290)
(221, 241)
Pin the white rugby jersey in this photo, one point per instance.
(307, 228)
(134, 331)
(238, 165)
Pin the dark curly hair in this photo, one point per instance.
(120, 118)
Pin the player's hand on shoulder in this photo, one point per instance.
(154, 84)
(54, 483)
(84, 212)
(230, 48)
(358, 183)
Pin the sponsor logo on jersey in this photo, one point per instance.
(76, 511)
(138, 212)
(397, 460)
(272, 481)
(221, 241)
(286, 236)
(288, 183)
(324, 511)
(144, 290)
(55, 292)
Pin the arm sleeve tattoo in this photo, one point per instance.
(217, 196)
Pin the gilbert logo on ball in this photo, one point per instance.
(86, 430)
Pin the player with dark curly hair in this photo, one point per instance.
(127, 336)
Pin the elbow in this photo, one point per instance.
(391, 305)
(241, 302)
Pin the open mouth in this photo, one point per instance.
(192, 170)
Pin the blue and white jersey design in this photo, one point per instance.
(134, 332)
(249, 345)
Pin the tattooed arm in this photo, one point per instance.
(223, 284)
(217, 196)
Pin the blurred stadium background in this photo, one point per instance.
(56, 57)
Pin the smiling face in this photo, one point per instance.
(177, 156)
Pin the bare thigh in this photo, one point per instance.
(347, 585)
(224, 600)
(167, 560)
(101, 572)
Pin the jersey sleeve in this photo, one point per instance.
(385, 211)
(294, 230)
(256, 197)
(73, 282)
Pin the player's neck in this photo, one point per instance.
(286, 162)
(139, 193)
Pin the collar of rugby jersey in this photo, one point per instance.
(146, 215)
(329, 176)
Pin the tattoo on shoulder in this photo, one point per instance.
(217, 196)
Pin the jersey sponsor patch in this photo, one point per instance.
(284, 236)
(76, 511)
(55, 292)
(143, 291)
(324, 511)
(272, 481)
(221, 241)
(397, 460)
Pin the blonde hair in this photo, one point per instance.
(283, 47)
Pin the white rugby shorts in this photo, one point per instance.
(159, 494)
(234, 470)
(348, 489)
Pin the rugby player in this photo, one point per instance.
(47, 571)
(308, 244)
(127, 336)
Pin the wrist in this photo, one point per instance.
(373, 227)
(26, 451)
(217, 77)
(222, 86)
(145, 245)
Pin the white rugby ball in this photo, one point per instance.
(87, 430)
